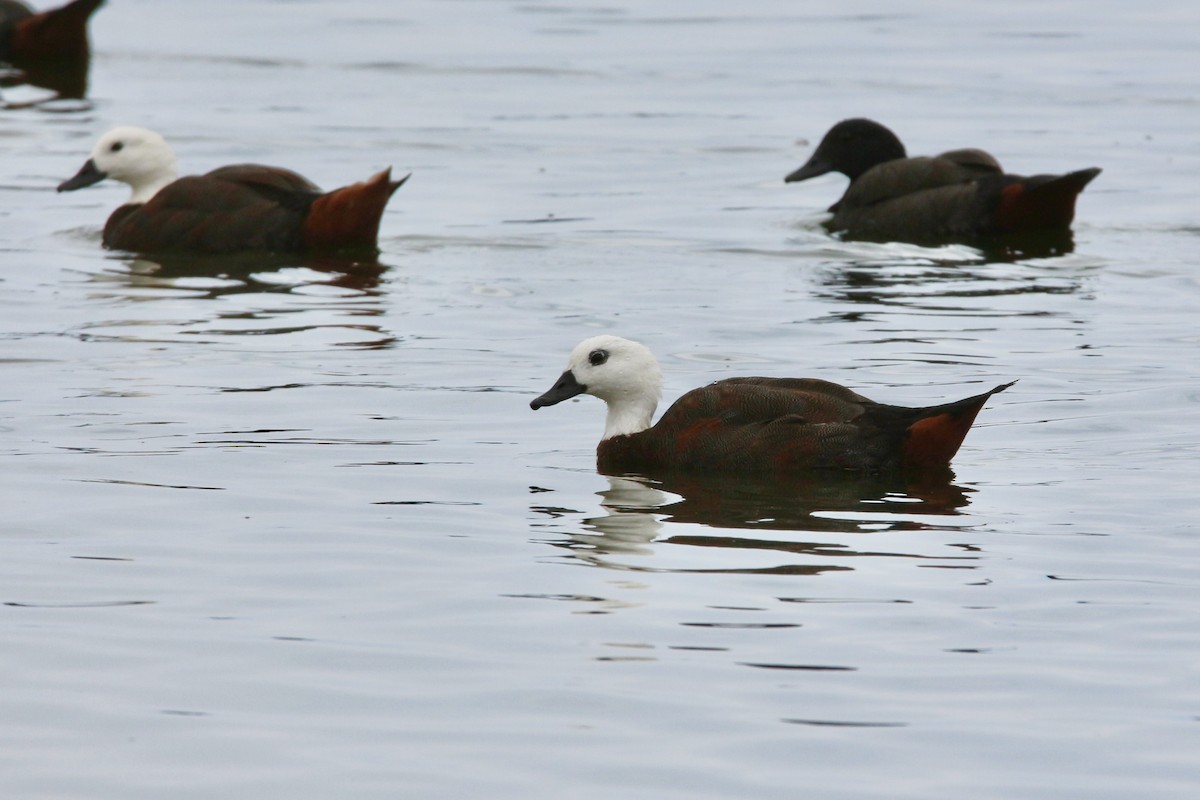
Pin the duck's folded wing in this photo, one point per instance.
(759, 425)
(974, 161)
(216, 214)
(905, 177)
(272, 180)
(745, 401)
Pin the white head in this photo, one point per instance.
(623, 374)
(134, 156)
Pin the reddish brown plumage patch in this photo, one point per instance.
(1041, 202)
(349, 217)
(685, 439)
(933, 441)
(1008, 213)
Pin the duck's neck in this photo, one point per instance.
(628, 415)
(143, 191)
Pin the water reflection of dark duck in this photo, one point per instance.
(49, 49)
(639, 511)
(801, 502)
(958, 196)
(939, 286)
(241, 273)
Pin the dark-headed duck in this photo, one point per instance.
(234, 208)
(958, 196)
(752, 425)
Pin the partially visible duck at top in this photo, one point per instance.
(58, 34)
(958, 196)
(752, 425)
(235, 208)
(50, 48)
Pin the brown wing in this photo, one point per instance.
(982, 203)
(973, 160)
(924, 200)
(750, 425)
(904, 177)
(739, 401)
(242, 207)
(266, 179)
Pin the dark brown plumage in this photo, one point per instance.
(50, 48)
(252, 207)
(58, 34)
(958, 196)
(791, 424)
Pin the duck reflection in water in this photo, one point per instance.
(928, 285)
(281, 293)
(241, 273)
(48, 49)
(639, 511)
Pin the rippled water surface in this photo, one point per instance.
(288, 528)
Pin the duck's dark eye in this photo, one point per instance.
(597, 357)
(116, 147)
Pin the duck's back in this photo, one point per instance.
(238, 207)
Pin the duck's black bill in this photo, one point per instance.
(87, 175)
(812, 169)
(564, 388)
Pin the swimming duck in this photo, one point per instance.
(239, 207)
(55, 35)
(958, 196)
(752, 425)
(49, 49)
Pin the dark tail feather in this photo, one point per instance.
(59, 34)
(935, 437)
(1040, 202)
(349, 217)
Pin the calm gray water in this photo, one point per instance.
(275, 530)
